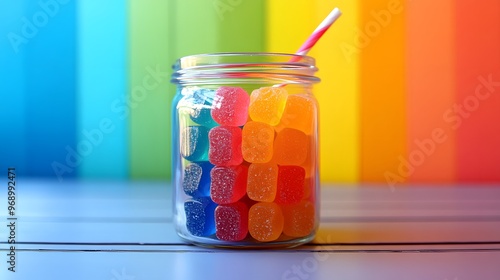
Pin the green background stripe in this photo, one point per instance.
(149, 119)
(162, 31)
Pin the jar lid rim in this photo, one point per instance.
(195, 59)
(248, 54)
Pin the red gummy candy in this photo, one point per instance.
(290, 184)
(230, 106)
(225, 146)
(231, 221)
(228, 183)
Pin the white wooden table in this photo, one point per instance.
(123, 230)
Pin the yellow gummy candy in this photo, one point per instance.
(265, 221)
(267, 104)
(262, 181)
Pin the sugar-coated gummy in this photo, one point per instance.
(231, 221)
(196, 179)
(230, 106)
(194, 143)
(200, 216)
(225, 146)
(291, 147)
(291, 180)
(228, 183)
(265, 221)
(300, 113)
(258, 139)
(299, 218)
(267, 104)
(262, 181)
(201, 105)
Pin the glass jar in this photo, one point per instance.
(245, 150)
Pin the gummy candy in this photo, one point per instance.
(201, 105)
(258, 141)
(230, 106)
(194, 143)
(299, 219)
(291, 147)
(231, 221)
(267, 104)
(262, 181)
(265, 221)
(290, 184)
(196, 179)
(300, 113)
(200, 216)
(225, 146)
(228, 183)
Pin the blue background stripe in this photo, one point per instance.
(50, 66)
(102, 52)
(12, 94)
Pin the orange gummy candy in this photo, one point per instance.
(267, 104)
(300, 113)
(291, 147)
(258, 141)
(299, 219)
(265, 221)
(262, 181)
(311, 161)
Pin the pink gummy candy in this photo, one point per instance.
(225, 146)
(230, 106)
(228, 183)
(291, 181)
(231, 221)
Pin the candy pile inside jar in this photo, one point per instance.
(248, 163)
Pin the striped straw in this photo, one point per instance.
(315, 36)
(319, 31)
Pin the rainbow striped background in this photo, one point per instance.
(410, 90)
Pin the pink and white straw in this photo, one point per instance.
(315, 36)
(319, 31)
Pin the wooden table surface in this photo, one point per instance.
(123, 230)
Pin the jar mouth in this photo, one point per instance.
(248, 67)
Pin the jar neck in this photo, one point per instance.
(247, 68)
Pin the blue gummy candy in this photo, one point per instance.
(200, 219)
(194, 143)
(196, 179)
(201, 104)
